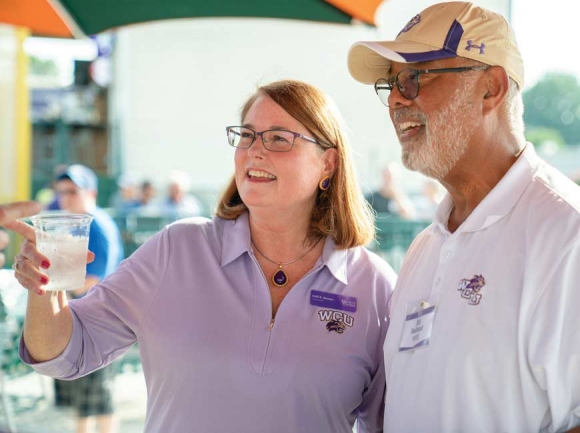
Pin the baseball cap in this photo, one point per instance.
(81, 176)
(442, 31)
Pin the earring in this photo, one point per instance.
(324, 184)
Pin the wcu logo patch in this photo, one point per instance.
(336, 321)
(470, 288)
(412, 23)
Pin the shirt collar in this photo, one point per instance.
(335, 260)
(236, 241)
(500, 200)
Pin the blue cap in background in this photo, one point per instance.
(81, 176)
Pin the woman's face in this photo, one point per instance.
(280, 181)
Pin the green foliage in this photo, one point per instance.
(541, 135)
(554, 103)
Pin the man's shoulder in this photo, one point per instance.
(556, 189)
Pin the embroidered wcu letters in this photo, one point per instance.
(471, 45)
(412, 23)
(337, 321)
(470, 288)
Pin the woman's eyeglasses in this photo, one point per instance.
(407, 81)
(276, 140)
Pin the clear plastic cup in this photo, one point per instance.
(64, 239)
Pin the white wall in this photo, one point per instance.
(179, 83)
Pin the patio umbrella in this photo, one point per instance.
(67, 18)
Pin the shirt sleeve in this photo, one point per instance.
(106, 322)
(554, 336)
(371, 411)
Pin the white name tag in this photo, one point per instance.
(417, 329)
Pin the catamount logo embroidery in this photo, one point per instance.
(470, 289)
(336, 321)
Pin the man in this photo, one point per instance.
(484, 334)
(76, 190)
(179, 203)
(9, 214)
(390, 199)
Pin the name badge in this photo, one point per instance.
(417, 328)
(332, 300)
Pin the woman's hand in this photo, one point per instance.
(29, 262)
(9, 214)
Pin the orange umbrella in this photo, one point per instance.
(68, 18)
(39, 16)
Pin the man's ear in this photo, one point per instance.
(497, 86)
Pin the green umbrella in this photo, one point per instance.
(65, 18)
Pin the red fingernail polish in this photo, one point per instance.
(43, 280)
(45, 264)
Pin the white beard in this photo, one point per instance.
(447, 136)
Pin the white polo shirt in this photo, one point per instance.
(504, 349)
(196, 300)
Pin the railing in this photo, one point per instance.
(394, 236)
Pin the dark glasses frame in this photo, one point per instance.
(410, 89)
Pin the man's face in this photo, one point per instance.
(70, 197)
(435, 128)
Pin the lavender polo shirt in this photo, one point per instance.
(199, 305)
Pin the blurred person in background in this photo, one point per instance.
(91, 395)
(179, 203)
(270, 317)
(426, 203)
(126, 199)
(148, 203)
(484, 335)
(147, 194)
(390, 198)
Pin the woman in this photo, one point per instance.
(268, 318)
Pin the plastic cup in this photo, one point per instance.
(64, 239)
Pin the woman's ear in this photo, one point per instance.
(330, 161)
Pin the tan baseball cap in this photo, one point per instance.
(444, 30)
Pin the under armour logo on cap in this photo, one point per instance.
(471, 45)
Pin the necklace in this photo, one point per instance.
(280, 278)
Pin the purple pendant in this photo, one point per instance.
(280, 278)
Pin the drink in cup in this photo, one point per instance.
(63, 238)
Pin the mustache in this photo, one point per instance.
(407, 112)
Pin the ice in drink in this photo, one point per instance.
(68, 261)
(63, 239)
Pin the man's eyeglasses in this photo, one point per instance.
(64, 192)
(407, 81)
(276, 140)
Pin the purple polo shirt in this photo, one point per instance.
(199, 305)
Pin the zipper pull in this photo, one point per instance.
(271, 325)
